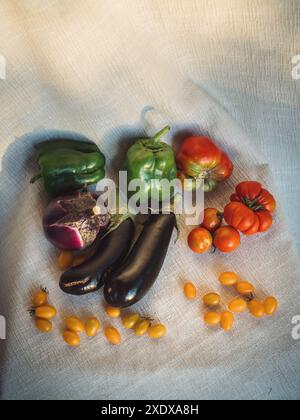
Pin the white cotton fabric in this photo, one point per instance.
(112, 70)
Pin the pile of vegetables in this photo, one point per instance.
(100, 250)
(250, 212)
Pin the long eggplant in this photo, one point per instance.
(130, 283)
(90, 276)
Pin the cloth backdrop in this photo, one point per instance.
(112, 70)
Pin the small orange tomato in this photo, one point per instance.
(40, 298)
(43, 325)
(92, 327)
(271, 305)
(74, 324)
(256, 308)
(245, 288)
(212, 299)
(157, 331)
(45, 312)
(141, 328)
(227, 321)
(71, 338)
(228, 279)
(200, 240)
(227, 239)
(212, 318)
(129, 321)
(113, 312)
(237, 305)
(112, 335)
(65, 260)
(80, 259)
(212, 219)
(190, 291)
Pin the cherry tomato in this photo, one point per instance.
(212, 318)
(212, 299)
(113, 312)
(256, 308)
(141, 327)
(92, 327)
(227, 239)
(200, 240)
(157, 331)
(74, 324)
(228, 279)
(112, 335)
(212, 219)
(271, 305)
(45, 312)
(65, 260)
(44, 325)
(227, 321)
(190, 291)
(40, 298)
(71, 338)
(245, 288)
(237, 305)
(129, 321)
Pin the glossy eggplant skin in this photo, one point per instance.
(112, 250)
(130, 283)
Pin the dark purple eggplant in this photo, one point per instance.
(112, 250)
(130, 283)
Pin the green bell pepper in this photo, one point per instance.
(69, 165)
(149, 160)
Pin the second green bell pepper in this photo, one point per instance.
(149, 160)
(69, 165)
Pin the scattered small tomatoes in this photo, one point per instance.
(44, 325)
(40, 298)
(113, 312)
(256, 308)
(74, 324)
(237, 305)
(157, 331)
(92, 327)
(71, 338)
(190, 291)
(142, 327)
(212, 299)
(129, 321)
(212, 219)
(227, 321)
(45, 312)
(270, 305)
(228, 279)
(112, 335)
(200, 240)
(245, 288)
(227, 239)
(212, 318)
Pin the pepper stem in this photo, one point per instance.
(160, 134)
(35, 178)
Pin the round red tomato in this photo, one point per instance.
(212, 219)
(227, 239)
(201, 158)
(200, 240)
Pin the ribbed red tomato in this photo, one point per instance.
(200, 158)
(250, 208)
